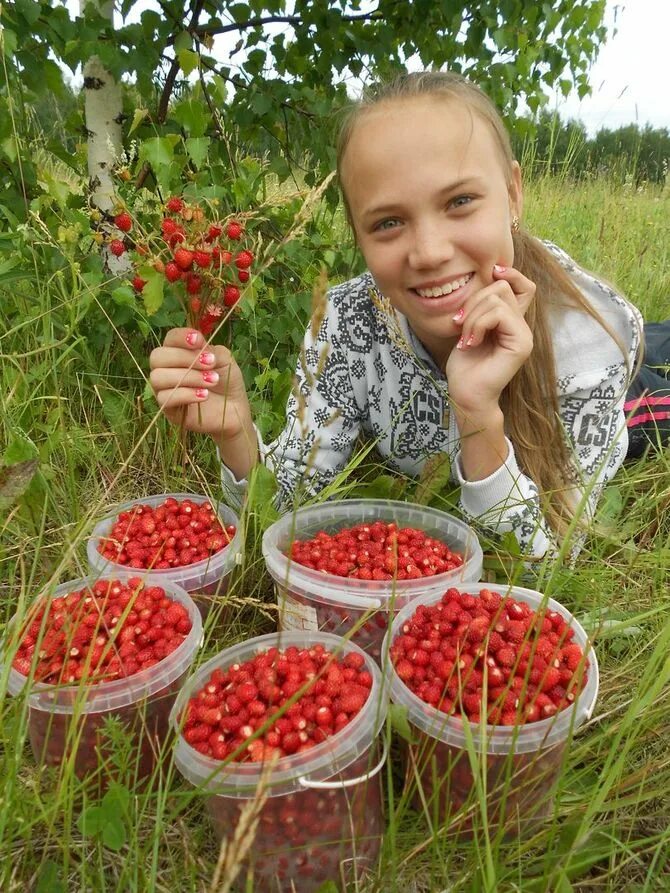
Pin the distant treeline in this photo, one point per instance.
(629, 153)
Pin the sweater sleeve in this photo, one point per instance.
(323, 420)
(592, 379)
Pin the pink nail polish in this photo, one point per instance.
(210, 377)
(499, 268)
(201, 393)
(470, 340)
(207, 358)
(460, 344)
(459, 315)
(191, 339)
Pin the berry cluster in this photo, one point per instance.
(202, 256)
(490, 657)
(312, 836)
(173, 534)
(237, 701)
(112, 630)
(377, 551)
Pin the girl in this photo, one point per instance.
(466, 336)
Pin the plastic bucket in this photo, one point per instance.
(309, 599)
(66, 722)
(203, 580)
(517, 766)
(322, 818)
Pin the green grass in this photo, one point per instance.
(98, 441)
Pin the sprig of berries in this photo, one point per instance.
(200, 256)
(236, 701)
(172, 534)
(112, 630)
(377, 551)
(491, 658)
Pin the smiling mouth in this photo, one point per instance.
(441, 291)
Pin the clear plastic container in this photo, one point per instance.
(309, 599)
(518, 766)
(322, 818)
(66, 722)
(204, 580)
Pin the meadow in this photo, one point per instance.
(73, 396)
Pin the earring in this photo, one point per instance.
(515, 224)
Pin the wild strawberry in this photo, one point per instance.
(174, 205)
(231, 295)
(169, 226)
(138, 283)
(213, 232)
(243, 275)
(244, 260)
(234, 230)
(193, 284)
(183, 258)
(117, 247)
(172, 272)
(202, 258)
(124, 222)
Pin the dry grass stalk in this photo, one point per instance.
(234, 850)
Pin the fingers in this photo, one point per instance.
(522, 287)
(173, 399)
(189, 338)
(511, 330)
(163, 378)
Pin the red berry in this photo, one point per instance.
(172, 272)
(183, 258)
(117, 247)
(139, 283)
(243, 275)
(124, 222)
(231, 295)
(234, 230)
(174, 205)
(244, 260)
(202, 258)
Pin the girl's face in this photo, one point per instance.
(431, 208)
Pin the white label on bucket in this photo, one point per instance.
(294, 615)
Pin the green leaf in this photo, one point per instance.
(157, 151)
(91, 821)
(188, 61)
(192, 116)
(197, 149)
(153, 292)
(20, 449)
(138, 116)
(8, 41)
(114, 834)
(49, 879)
(124, 296)
(328, 887)
(116, 799)
(183, 41)
(399, 722)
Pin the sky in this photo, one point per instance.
(630, 81)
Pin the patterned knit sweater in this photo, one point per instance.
(365, 373)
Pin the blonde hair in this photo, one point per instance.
(530, 400)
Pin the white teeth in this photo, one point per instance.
(444, 289)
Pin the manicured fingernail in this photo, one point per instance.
(499, 268)
(470, 341)
(207, 358)
(201, 393)
(192, 339)
(459, 315)
(460, 344)
(210, 377)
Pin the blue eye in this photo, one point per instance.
(389, 223)
(460, 201)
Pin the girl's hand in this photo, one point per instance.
(495, 341)
(200, 385)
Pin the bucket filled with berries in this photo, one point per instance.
(290, 721)
(179, 538)
(495, 680)
(345, 567)
(101, 648)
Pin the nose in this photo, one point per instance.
(431, 245)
